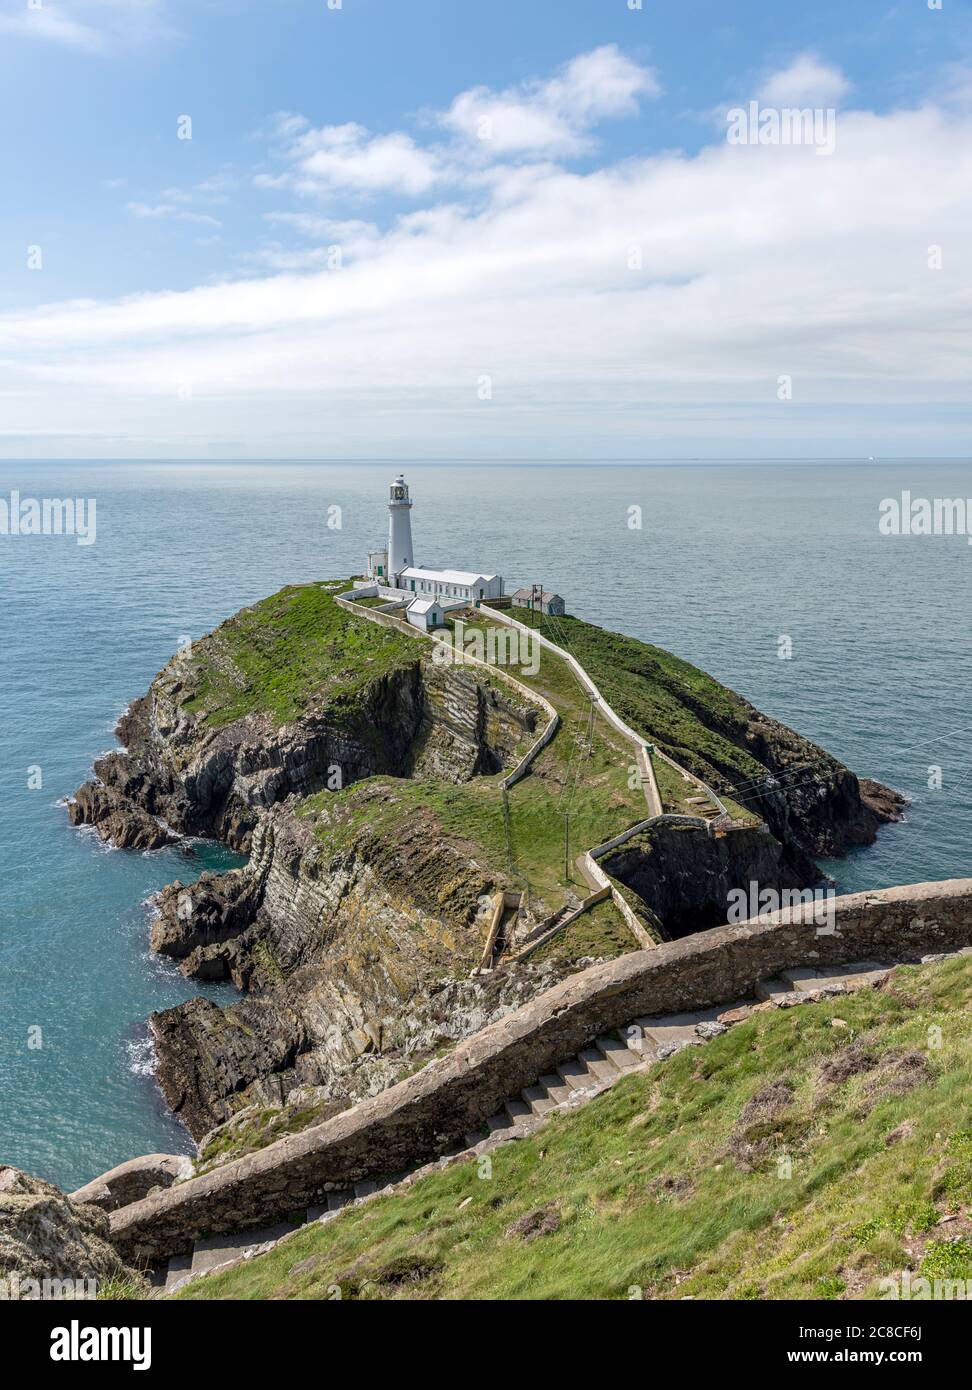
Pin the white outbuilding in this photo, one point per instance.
(425, 613)
(450, 585)
(393, 567)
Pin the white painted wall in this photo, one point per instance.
(400, 553)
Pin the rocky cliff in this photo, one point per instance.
(354, 948)
(52, 1246)
(684, 876)
(813, 803)
(325, 748)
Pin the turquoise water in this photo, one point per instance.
(729, 559)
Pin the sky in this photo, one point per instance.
(452, 229)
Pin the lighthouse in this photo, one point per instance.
(399, 528)
(394, 571)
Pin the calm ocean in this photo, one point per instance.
(729, 559)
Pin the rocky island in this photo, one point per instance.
(366, 779)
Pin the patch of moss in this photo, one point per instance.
(286, 652)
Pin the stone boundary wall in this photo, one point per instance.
(652, 794)
(696, 822)
(617, 897)
(592, 900)
(385, 619)
(620, 725)
(402, 597)
(418, 1118)
(702, 786)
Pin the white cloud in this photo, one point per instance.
(550, 118)
(347, 157)
(90, 25)
(754, 262)
(553, 117)
(806, 80)
(171, 212)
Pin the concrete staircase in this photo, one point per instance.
(574, 1082)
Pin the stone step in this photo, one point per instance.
(638, 1044)
(537, 1099)
(555, 1087)
(858, 975)
(500, 1122)
(518, 1110)
(676, 1028)
(618, 1054)
(219, 1250)
(576, 1075)
(332, 1204)
(596, 1062)
(773, 990)
(365, 1189)
(453, 1151)
(472, 1139)
(180, 1267)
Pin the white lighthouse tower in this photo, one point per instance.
(399, 528)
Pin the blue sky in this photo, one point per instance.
(344, 260)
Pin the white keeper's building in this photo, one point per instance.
(393, 572)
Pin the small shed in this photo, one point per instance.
(425, 613)
(541, 601)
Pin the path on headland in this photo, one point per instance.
(591, 873)
(639, 742)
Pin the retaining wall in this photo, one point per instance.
(652, 794)
(386, 619)
(417, 1119)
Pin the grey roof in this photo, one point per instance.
(545, 597)
(461, 578)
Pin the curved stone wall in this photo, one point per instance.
(418, 1118)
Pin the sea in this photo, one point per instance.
(774, 577)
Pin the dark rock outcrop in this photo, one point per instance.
(685, 875)
(355, 962)
(808, 798)
(46, 1236)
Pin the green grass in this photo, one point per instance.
(293, 650)
(587, 779)
(655, 1194)
(599, 933)
(697, 721)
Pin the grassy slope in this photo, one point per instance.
(590, 782)
(292, 648)
(661, 696)
(649, 1193)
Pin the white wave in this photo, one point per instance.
(141, 1056)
